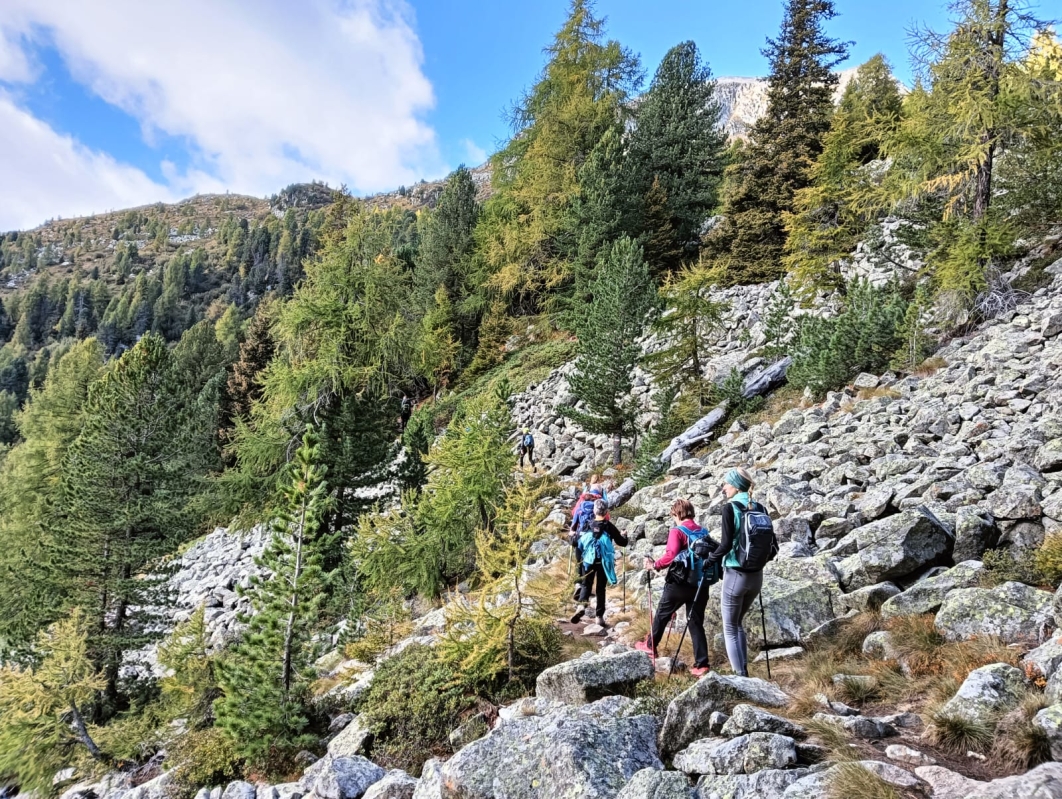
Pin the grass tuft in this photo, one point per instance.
(1020, 744)
(851, 780)
(831, 735)
(959, 734)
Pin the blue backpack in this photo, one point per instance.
(596, 544)
(584, 515)
(528, 441)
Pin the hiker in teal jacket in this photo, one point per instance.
(740, 586)
(597, 553)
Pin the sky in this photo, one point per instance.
(108, 104)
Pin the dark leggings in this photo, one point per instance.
(530, 452)
(740, 590)
(673, 598)
(598, 571)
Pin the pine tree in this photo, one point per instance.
(438, 348)
(977, 102)
(677, 149)
(444, 257)
(527, 237)
(42, 708)
(430, 540)
(684, 330)
(29, 482)
(602, 212)
(266, 678)
(254, 355)
(495, 632)
(608, 345)
(124, 497)
(831, 213)
(784, 143)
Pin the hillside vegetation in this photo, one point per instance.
(628, 271)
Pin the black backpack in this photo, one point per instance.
(755, 544)
(691, 565)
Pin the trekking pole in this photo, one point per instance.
(570, 549)
(671, 626)
(649, 575)
(763, 626)
(674, 657)
(623, 554)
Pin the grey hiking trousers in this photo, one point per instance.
(740, 590)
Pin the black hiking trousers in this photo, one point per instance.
(596, 571)
(530, 453)
(673, 598)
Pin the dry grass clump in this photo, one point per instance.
(959, 734)
(832, 736)
(1020, 744)
(930, 366)
(851, 780)
(926, 653)
(874, 393)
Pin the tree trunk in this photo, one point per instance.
(617, 449)
(993, 71)
(289, 632)
(82, 734)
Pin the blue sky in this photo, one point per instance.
(105, 105)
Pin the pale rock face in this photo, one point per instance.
(986, 692)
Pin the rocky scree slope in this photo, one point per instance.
(886, 496)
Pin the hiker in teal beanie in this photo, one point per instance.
(740, 587)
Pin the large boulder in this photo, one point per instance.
(649, 783)
(587, 751)
(985, 693)
(346, 778)
(746, 718)
(1014, 501)
(926, 596)
(892, 548)
(817, 784)
(946, 784)
(1014, 612)
(1042, 782)
(745, 754)
(687, 717)
(396, 784)
(792, 609)
(768, 784)
(352, 740)
(593, 676)
(975, 532)
(1050, 721)
(239, 790)
(1045, 658)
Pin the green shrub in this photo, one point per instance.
(1003, 566)
(863, 337)
(1048, 559)
(204, 757)
(415, 701)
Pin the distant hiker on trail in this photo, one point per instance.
(597, 553)
(406, 411)
(527, 447)
(747, 545)
(681, 585)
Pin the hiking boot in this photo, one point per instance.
(601, 621)
(642, 646)
(577, 616)
(699, 671)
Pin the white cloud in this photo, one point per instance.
(46, 174)
(264, 92)
(474, 154)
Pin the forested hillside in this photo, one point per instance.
(242, 363)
